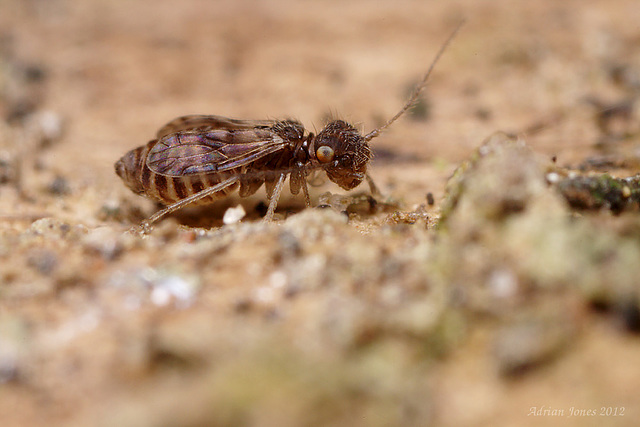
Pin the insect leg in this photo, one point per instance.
(305, 190)
(375, 191)
(188, 200)
(275, 196)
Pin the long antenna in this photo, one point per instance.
(416, 92)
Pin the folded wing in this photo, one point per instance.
(209, 122)
(196, 152)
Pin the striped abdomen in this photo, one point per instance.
(133, 170)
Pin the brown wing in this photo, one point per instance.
(204, 122)
(195, 152)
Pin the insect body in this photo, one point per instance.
(198, 159)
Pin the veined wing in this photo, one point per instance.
(188, 153)
(204, 123)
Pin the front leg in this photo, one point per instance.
(375, 191)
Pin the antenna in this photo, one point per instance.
(416, 92)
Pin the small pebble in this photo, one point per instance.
(234, 215)
(43, 260)
(59, 186)
(430, 200)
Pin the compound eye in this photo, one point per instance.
(325, 154)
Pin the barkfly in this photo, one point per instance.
(199, 159)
